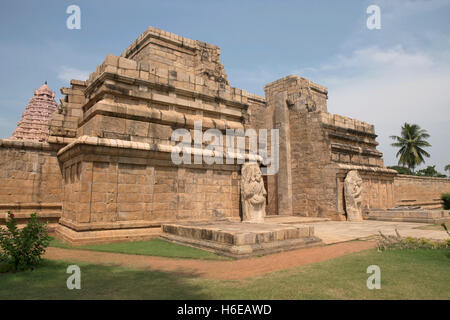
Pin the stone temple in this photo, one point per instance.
(100, 168)
(34, 122)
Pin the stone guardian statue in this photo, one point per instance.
(253, 194)
(353, 198)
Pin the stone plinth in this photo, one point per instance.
(423, 216)
(46, 212)
(240, 240)
(118, 233)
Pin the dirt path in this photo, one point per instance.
(224, 270)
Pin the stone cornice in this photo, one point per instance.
(100, 80)
(344, 148)
(105, 145)
(349, 134)
(405, 176)
(154, 115)
(27, 144)
(367, 169)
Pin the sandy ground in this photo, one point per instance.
(224, 270)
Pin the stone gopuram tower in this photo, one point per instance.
(34, 122)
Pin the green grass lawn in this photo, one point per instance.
(405, 274)
(154, 247)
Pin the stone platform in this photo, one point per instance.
(240, 240)
(413, 215)
(342, 231)
(77, 234)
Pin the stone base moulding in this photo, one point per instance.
(46, 212)
(241, 240)
(420, 216)
(75, 238)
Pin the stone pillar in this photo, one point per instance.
(306, 180)
(284, 177)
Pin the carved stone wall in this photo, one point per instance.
(137, 184)
(317, 149)
(30, 180)
(306, 183)
(420, 191)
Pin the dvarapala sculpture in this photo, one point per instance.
(253, 194)
(353, 198)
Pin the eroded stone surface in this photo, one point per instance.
(253, 194)
(240, 240)
(353, 197)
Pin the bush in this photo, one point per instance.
(397, 242)
(23, 249)
(430, 171)
(401, 170)
(5, 266)
(446, 198)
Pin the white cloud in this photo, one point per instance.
(388, 87)
(67, 73)
(369, 62)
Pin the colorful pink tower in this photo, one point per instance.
(34, 124)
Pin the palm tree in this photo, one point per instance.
(411, 144)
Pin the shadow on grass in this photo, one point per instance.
(48, 281)
(405, 274)
(154, 247)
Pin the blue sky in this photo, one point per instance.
(400, 73)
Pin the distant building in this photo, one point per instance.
(34, 124)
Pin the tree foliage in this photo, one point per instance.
(411, 142)
(23, 248)
(400, 169)
(430, 171)
(447, 168)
